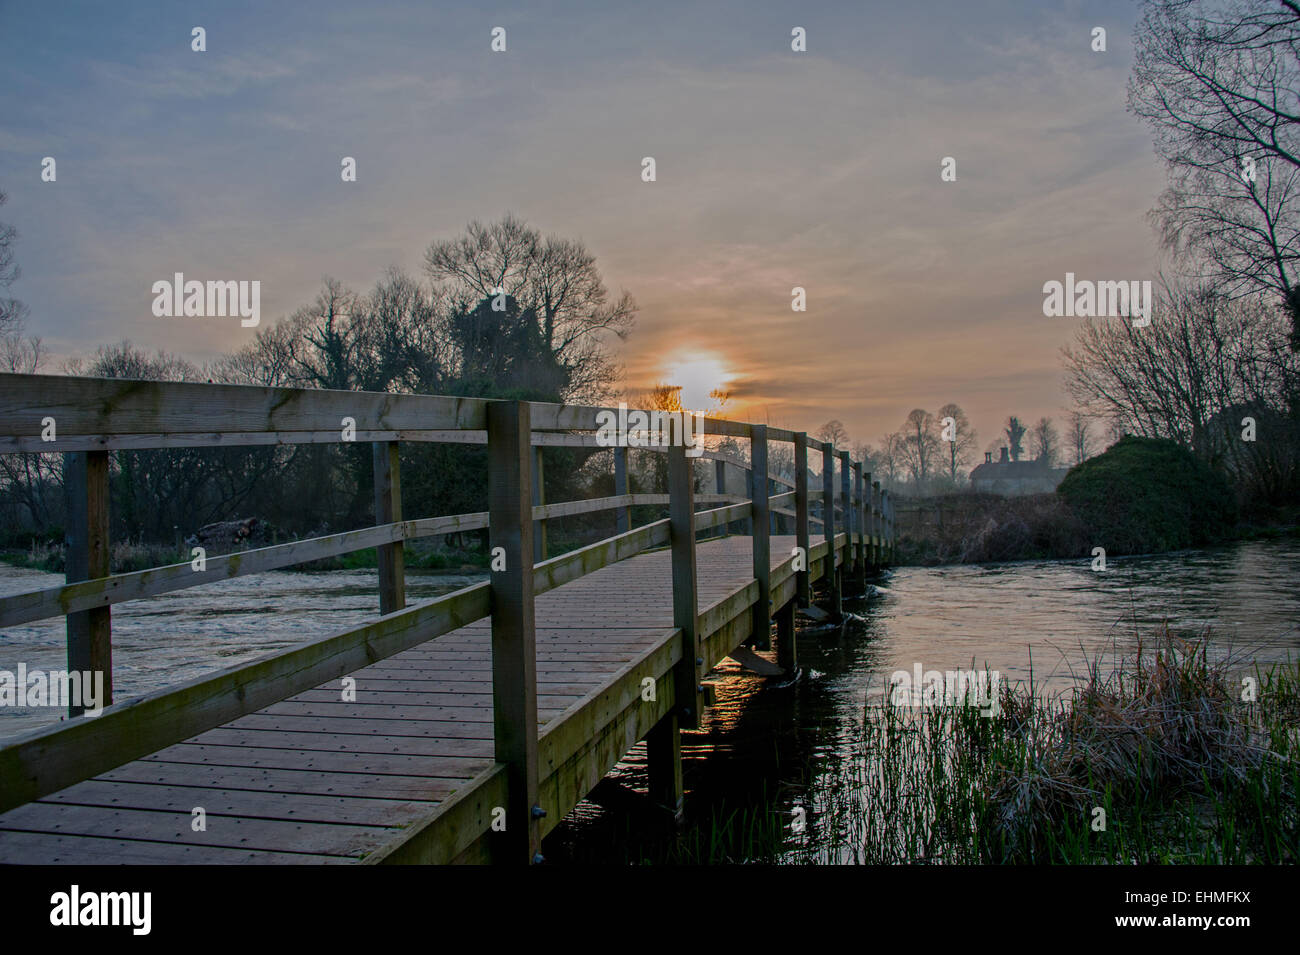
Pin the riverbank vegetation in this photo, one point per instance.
(1141, 496)
(1170, 756)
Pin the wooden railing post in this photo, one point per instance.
(663, 751)
(689, 673)
(539, 498)
(803, 588)
(514, 653)
(889, 526)
(90, 638)
(762, 616)
(877, 525)
(860, 525)
(828, 517)
(388, 510)
(622, 515)
(749, 493)
(720, 485)
(846, 496)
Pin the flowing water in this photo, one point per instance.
(767, 741)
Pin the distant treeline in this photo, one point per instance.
(504, 313)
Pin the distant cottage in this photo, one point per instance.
(1009, 477)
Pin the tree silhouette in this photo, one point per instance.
(1015, 432)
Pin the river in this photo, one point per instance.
(766, 742)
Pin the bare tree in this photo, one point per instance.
(18, 353)
(1015, 432)
(961, 438)
(12, 311)
(919, 444)
(888, 458)
(553, 279)
(1218, 81)
(1203, 365)
(1045, 442)
(1079, 437)
(834, 432)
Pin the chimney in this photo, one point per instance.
(988, 457)
(1006, 456)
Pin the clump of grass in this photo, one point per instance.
(1183, 769)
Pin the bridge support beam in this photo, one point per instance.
(388, 510)
(90, 638)
(803, 591)
(514, 651)
(762, 542)
(787, 655)
(663, 746)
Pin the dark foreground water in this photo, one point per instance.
(769, 747)
(767, 744)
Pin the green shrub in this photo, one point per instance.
(1149, 494)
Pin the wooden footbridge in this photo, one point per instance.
(460, 729)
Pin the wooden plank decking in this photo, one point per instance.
(317, 779)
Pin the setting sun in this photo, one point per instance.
(698, 376)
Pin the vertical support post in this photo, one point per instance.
(846, 499)
(720, 485)
(773, 527)
(893, 530)
(828, 517)
(860, 525)
(686, 606)
(749, 493)
(388, 510)
(622, 515)
(889, 526)
(803, 587)
(539, 498)
(663, 750)
(876, 525)
(762, 614)
(514, 653)
(90, 637)
(787, 654)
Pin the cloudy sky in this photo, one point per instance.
(775, 169)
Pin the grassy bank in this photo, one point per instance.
(1157, 761)
(1160, 760)
(972, 528)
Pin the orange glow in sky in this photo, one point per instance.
(697, 375)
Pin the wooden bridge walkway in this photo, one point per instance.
(461, 729)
